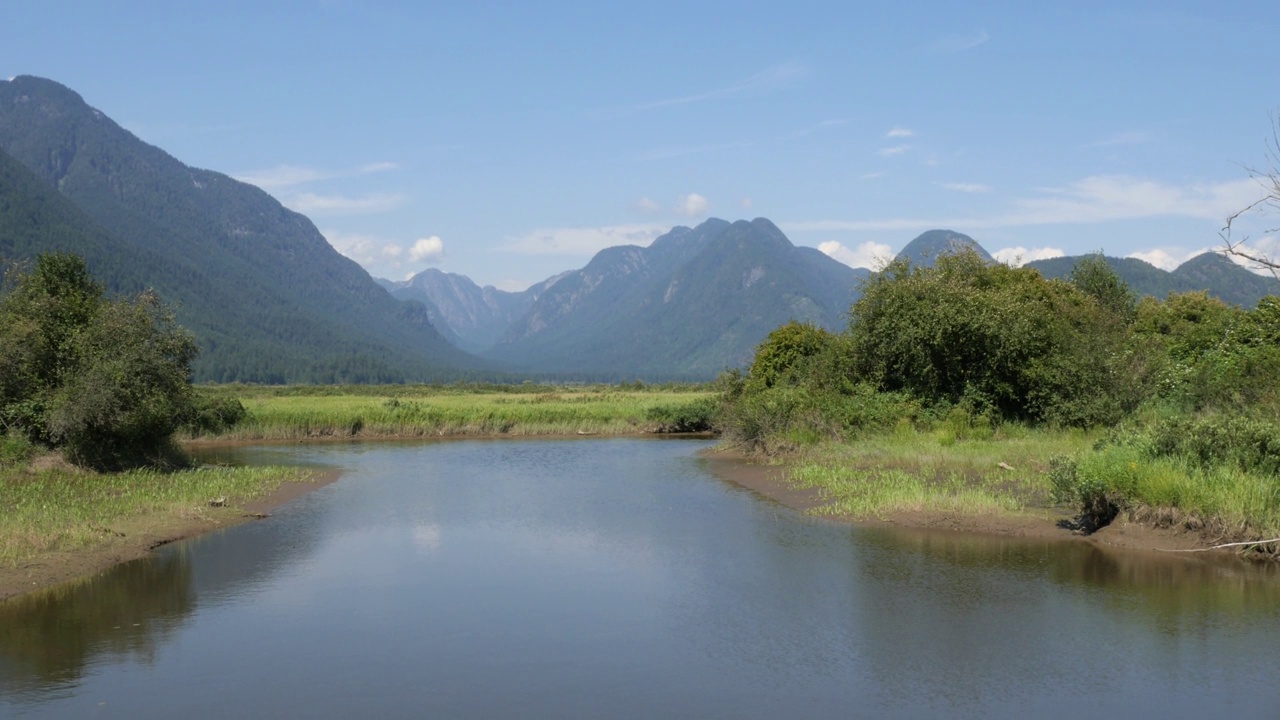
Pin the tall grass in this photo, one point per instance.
(421, 411)
(936, 469)
(63, 509)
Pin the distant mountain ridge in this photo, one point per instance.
(925, 248)
(475, 317)
(694, 302)
(1208, 272)
(268, 298)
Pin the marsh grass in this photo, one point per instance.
(936, 470)
(422, 411)
(61, 508)
(1222, 500)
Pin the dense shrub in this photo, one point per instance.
(106, 380)
(693, 416)
(1248, 444)
(995, 339)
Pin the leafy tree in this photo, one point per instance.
(107, 380)
(785, 350)
(996, 339)
(1093, 275)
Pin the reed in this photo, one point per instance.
(65, 509)
(424, 411)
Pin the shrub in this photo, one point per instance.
(107, 380)
(693, 416)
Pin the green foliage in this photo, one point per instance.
(107, 380)
(15, 449)
(995, 339)
(693, 416)
(1213, 355)
(1099, 280)
(784, 353)
(1100, 491)
(213, 414)
(1247, 444)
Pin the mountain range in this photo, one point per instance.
(266, 295)
(271, 301)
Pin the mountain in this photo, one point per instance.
(926, 248)
(694, 302)
(1208, 272)
(267, 297)
(473, 317)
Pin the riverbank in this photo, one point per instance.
(61, 523)
(969, 490)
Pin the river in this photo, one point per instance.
(620, 578)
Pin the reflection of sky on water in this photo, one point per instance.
(616, 578)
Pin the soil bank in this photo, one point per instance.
(770, 481)
(135, 538)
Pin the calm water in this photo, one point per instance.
(618, 578)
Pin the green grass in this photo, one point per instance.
(64, 509)
(906, 470)
(1226, 501)
(430, 411)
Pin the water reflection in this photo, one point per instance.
(47, 640)
(618, 579)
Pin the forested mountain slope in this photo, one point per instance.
(694, 302)
(268, 298)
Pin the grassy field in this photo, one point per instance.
(435, 411)
(908, 470)
(61, 509)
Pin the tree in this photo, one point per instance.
(1269, 184)
(105, 380)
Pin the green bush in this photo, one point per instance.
(694, 416)
(995, 339)
(106, 380)
(211, 415)
(1247, 444)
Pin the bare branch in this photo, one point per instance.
(1269, 182)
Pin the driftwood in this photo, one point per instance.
(1225, 545)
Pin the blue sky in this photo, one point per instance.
(509, 142)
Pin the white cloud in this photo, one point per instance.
(871, 255)
(694, 205)
(745, 203)
(364, 249)
(428, 249)
(1266, 249)
(766, 80)
(1167, 258)
(900, 132)
(871, 175)
(1095, 199)
(959, 42)
(648, 206)
(582, 241)
(1019, 256)
(283, 176)
(308, 203)
(891, 151)
(392, 250)
(967, 187)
